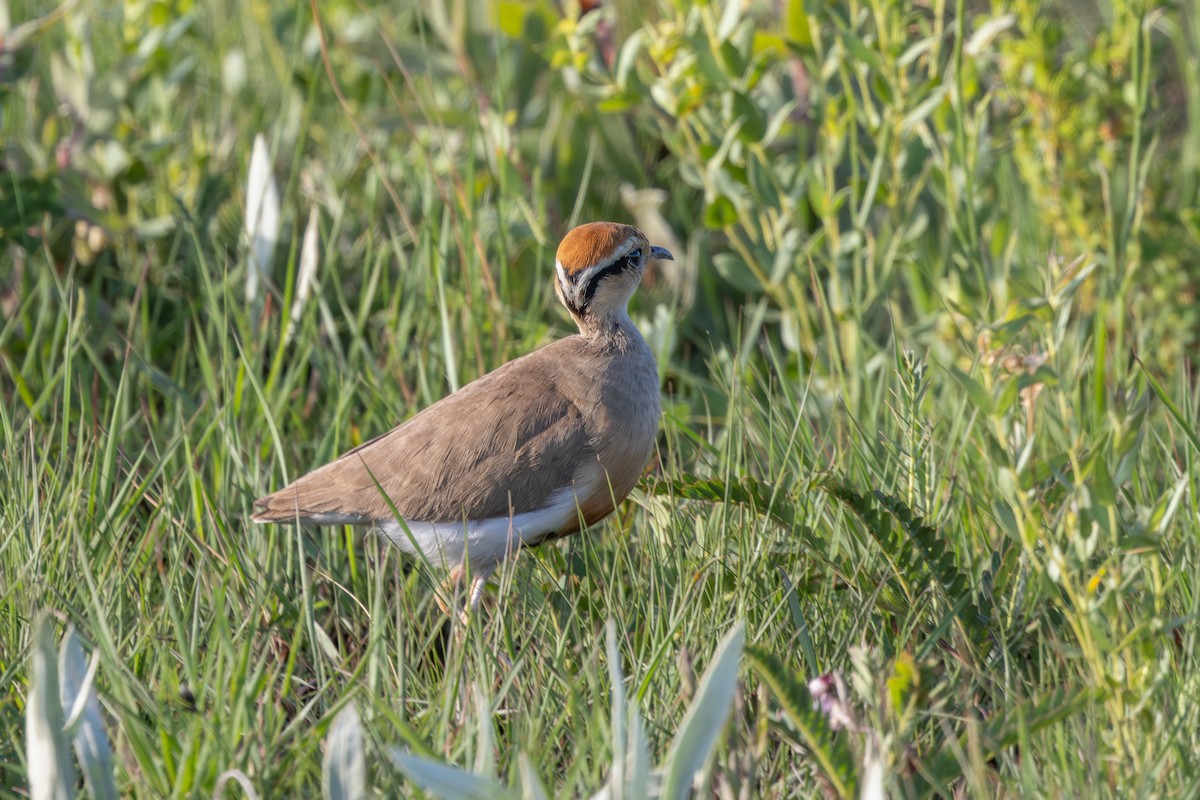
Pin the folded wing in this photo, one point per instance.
(497, 447)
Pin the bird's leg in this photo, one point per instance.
(478, 583)
(445, 594)
(479, 579)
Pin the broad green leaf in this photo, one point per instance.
(795, 24)
(730, 18)
(720, 213)
(262, 218)
(84, 721)
(51, 773)
(445, 781)
(705, 717)
(343, 769)
(531, 785)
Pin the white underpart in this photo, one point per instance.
(487, 542)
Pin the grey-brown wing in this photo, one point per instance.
(500, 445)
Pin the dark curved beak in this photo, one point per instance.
(661, 253)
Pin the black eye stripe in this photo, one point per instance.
(614, 268)
(594, 283)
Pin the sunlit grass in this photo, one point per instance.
(906, 439)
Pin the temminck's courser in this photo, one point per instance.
(544, 445)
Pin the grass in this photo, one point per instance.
(930, 412)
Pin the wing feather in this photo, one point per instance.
(499, 446)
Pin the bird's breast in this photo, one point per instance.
(624, 423)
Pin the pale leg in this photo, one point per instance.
(449, 589)
(479, 581)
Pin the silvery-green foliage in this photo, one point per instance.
(629, 776)
(84, 722)
(51, 774)
(344, 768)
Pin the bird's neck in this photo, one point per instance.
(614, 328)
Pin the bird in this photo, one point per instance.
(542, 447)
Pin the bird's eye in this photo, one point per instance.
(634, 255)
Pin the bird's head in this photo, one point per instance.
(598, 266)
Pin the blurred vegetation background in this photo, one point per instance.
(926, 349)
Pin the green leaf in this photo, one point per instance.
(1188, 430)
(1010, 723)
(926, 107)
(795, 24)
(860, 51)
(705, 718)
(532, 787)
(979, 396)
(627, 59)
(759, 178)
(720, 213)
(919, 554)
(733, 270)
(904, 679)
(510, 16)
(84, 722)
(51, 774)
(754, 122)
(829, 751)
(1105, 491)
(629, 776)
(445, 781)
(759, 496)
(730, 18)
(344, 769)
(982, 38)
(817, 197)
